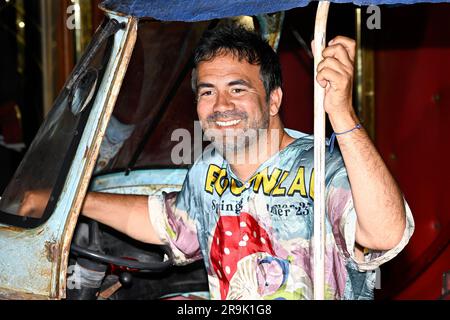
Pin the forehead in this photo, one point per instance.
(227, 66)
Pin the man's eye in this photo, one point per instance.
(205, 93)
(237, 90)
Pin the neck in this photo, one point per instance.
(275, 141)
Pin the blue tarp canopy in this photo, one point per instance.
(198, 10)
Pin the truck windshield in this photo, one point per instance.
(48, 159)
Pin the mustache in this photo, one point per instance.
(232, 114)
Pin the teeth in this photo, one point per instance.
(227, 123)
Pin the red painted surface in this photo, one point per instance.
(412, 103)
(412, 122)
(297, 110)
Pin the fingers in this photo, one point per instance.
(330, 76)
(341, 48)
(336, 65)
(339, 53)
(348, 43)
(333, 71)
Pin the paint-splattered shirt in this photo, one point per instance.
(255, 237)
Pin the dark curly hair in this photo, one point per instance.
(243, 44)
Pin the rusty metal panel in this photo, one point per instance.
(25, 261)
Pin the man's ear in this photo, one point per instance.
(275, 101)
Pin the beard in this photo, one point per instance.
(233, 144)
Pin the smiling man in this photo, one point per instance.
(238, 98)
(252, 220)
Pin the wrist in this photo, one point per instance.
(343, 121)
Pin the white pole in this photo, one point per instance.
(319, 157)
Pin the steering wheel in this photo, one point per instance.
(93, 251)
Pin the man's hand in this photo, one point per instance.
(33, 203)
(335, 74)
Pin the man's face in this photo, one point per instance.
(231, 101)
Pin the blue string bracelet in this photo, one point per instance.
(334, 134)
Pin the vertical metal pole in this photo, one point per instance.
(364, 76)
(49, 10)
(20, 36)
(358, 62)
(319, 157)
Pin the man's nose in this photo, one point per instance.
(223, 102)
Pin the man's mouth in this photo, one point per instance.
(228, 123)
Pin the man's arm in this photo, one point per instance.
(377, 199)
(125, 213)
